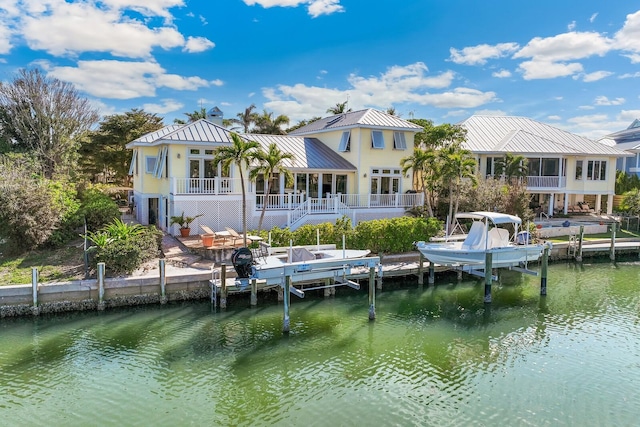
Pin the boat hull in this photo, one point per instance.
(452, 254)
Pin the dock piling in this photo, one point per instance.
(432, 273)
(286, 320)
(580, 239)
(372, 293)
(254, 292)
(223, 286)
(612, 250)
(543, 275)
(101, 286)
(34, 287)
(163, 281)
(488, 267)
(421, 270)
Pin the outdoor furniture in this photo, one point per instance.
(208, 237)
(235, 236)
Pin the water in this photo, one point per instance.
(433, 357)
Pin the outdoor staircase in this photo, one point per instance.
(317, 210)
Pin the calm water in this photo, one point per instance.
(433, 357)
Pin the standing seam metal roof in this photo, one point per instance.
(367, 118)
(487, 134)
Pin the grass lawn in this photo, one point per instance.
(621, 234)
(66, 263)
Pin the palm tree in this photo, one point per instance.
(511, 166)
(341, 107)
(246, 118)
(456, 164)
(421, 164)
(266, 124)
(193, 117)
(270, 163)
(240, 153)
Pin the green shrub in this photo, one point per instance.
(98, 209)
(63, 197)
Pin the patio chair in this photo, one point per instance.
(235, 237)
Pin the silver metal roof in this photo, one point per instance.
(201, 131)
(499, 134)
(309, 153)
(362, 118)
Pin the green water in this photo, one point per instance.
(433, 357)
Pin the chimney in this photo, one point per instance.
(215, 116)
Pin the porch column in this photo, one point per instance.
(598, 206)
(565, 208)
(552, 199)
(609, 204)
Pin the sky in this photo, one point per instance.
(574, 64)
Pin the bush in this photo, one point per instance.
(123, 247)
(63, 197)
(98, 209)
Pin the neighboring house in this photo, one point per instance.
(628, 140)
(348, 164)
(563, 168)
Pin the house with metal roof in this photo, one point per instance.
(628, 140)
(347, 164)
(564, 169)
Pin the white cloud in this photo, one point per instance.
(634, 57)
(198, 44)
(501, 74)
(146, 7)
(571, 26)
(123, 80)
(593, 17)
(167, 106)
(478, 55)
(595, 76)
(565, 47)
(533, 70)
(490, 113)
(5, 38)
(315, 8)
(629, 75)
(603, 100)
(62, 28)
(628, 38)
(586, 107)
(554, 117)
(398, 85)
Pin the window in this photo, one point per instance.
(578, 169)
(134, 163)
(345, 141)
(160, 163)
(377, 140)
(597, 170)
(399, 141)
(150, 164)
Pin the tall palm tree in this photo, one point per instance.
(266, 124)
(246, 118)
(421, 164)
(341, 107)
(193, 117)
(457, 164)
(240, 153)
(270, 163)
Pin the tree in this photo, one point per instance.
(421, 163)
(302, 123)
(104, 150)
(457, 165)
(246, 118)
(270, 163)
(193, 117)
(240, 153)
(341, 107)
(266, 124)
(420, 137)
(46, 117)
(511, 166)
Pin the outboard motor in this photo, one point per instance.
(242, 261)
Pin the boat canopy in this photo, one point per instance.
(495, 217)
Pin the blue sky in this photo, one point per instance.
(574, 64)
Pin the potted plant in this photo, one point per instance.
(184, 222)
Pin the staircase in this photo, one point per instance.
(317, 210)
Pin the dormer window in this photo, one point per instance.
(377, 140)
(399, 141)
(345, 141)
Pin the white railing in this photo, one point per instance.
(407, 200)
(279, 201)
(217, 185)
(318, 206)
(546, 181)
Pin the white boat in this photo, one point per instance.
(485, 236)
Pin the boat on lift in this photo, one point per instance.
(486, 235)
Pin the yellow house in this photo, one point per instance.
(348, 164)
(564, 169)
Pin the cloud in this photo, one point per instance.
(634, 57)
(586, 107)
(501, 74)
(554, 117)
(62, 28)
(533, 70)
(398, 85)
(603, 100)
(315, 8)
(628, 38)
(629, 75)
(478, 55)
(167, 106)
(565, 47)
(571, 26)
(123, 80)
(490, 113)
(198, 44)
(595, 76)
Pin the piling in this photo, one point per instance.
(421, 270)
(163, 281)
(223, 286)
(372, 293)
(327, 289)
(543, 273)
(612, 250)
(432, 273)
(580, 238)
(488, 268)
(101, 286)
(34, 288)
(254, 292)
(286, 320)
